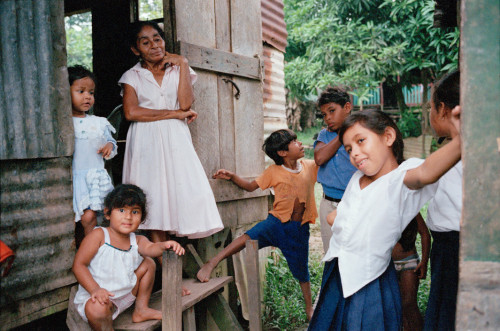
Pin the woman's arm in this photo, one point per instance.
(88, 249)
(425, 238)
(148, 248)
(133, 112)
(185, 94)
(324, 152)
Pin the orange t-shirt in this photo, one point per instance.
(288, 186)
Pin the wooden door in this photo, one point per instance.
(222, 41)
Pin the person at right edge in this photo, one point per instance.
(443, 214)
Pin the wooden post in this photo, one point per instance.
(252, 267)
(171, 301)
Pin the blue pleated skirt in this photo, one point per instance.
(442, 305)
(377, 306)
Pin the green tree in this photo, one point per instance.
(79, 39)
(360, 43)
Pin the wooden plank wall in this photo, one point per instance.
(479, 284)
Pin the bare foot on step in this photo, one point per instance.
(204, 274)
(141, 315)
(185, 291)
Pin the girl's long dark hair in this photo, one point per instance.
(376, 121)
(447, 90)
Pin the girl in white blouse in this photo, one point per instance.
(359, 289)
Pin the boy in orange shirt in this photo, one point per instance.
(294, 207)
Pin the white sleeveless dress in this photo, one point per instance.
(161, 159)
(113, 269)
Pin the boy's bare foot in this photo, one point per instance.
(185, 291)
(141, 315)
(204, 274)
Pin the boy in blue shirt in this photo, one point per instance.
(335, 169)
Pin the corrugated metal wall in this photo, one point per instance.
(37, 224)
(274, 35)
(273, 24)
(35, 119)
(36, 132)
(274, 90)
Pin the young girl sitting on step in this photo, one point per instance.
(110, 266)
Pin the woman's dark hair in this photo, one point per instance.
(447, 90)
(124, 195)
(78, 72)
(278, 141)
(376, 121)
(136, 27)
(334, 94)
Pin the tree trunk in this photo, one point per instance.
(398, 91)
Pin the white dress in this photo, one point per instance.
(114, 270)
(91, 181)
(161, 159)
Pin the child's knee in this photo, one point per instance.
(96, 311)
(89, 218)
(147, 265)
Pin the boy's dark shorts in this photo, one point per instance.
(291, 238)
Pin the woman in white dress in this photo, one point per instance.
(159, 155)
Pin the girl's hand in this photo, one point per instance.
(175, 246)
(191, 115)
(106, 150)
(101, 295)
(421, 270)
(223, 174)
(174, 59)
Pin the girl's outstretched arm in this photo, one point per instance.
(436, 165)
(148, 248)
(425, 238)
(133, 112)
(239, 181)
(88, 249)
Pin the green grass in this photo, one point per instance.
(284, 303)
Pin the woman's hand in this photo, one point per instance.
(101, 295)
(175, 246)
(174, 59)
(106, 150)
(191, 115)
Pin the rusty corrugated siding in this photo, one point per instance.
(274, 90)
(273, 24)
(35, 118)
(38, 225)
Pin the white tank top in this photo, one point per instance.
(113, 269)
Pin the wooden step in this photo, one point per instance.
(199, 291)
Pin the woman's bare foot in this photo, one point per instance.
(204, 273)
(141, 315)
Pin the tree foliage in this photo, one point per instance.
(360, 43)
(79, 39)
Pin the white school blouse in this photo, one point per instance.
(370, 221)
(445, 208)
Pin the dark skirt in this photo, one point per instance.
(377, 306)
(442, 305)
